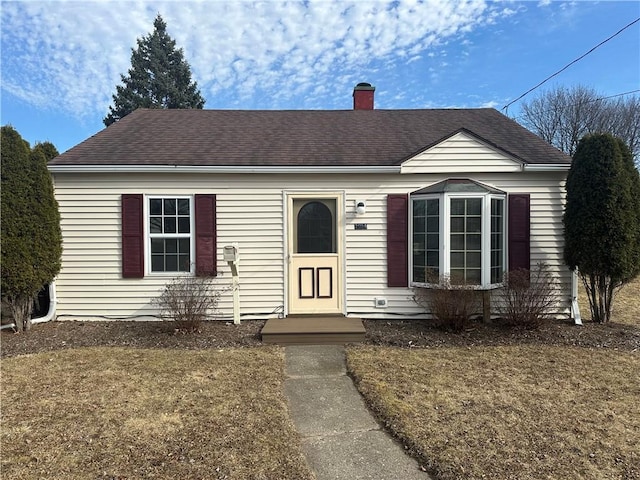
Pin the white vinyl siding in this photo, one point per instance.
(250, 212)
(462, 154)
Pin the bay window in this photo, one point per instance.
(458, 231)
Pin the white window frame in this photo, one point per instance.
(148, 235)
(445, 232)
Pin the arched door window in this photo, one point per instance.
(315, 228)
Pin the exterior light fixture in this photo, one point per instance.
(361, 207)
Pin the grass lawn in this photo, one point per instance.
(139, 413)
(512, 411)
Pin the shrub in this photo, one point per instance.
(188, 301)
(31, 236)
(451, 304)
(602, 220)
(528, 297)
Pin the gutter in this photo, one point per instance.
(51, 313)
(550, 167)
(216, 169)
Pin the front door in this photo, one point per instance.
(315, 283)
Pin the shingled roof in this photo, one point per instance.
(298, 137)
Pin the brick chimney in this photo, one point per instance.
(363, 96)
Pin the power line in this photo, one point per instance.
(587, 101)
(569, 64)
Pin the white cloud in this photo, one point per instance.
(69, 55)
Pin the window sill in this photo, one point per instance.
(438, 286)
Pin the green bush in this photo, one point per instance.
(602, 219)
(31, 237)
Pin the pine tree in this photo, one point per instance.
(159, 77)
(602, 219)
(31, 237)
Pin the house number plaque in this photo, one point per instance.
(360, 226)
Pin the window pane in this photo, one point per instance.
(433, 225)
(433, 241)
(418, 274)
(155, 206)
(169, 225)
(457, 260)
(183, 224)
(184, 245)
(169, 206)
(171, 263)
(184, 263)
(155, 225)
(157, 263)
(457, 276)
(457, 224)
(457, 241)
(473, 276)
(183, 206)
(474, 242)
(457, 206)
(433, 207)
(433, 259)
(418, 208)
(474, 206)
(496, 206)
(496, 275)
(473, 260)
(315, 229)
(171, 245)
(496, 241)
(426, 218)
(157, 245)
(474, 224)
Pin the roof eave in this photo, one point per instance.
(220, 169)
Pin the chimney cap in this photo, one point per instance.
(364, 86)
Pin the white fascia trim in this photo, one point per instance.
(550, 167)
(216, 169)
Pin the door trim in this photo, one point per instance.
(337, 281)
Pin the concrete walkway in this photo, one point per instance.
(340, 438)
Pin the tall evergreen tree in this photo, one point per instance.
(159, 77)
(31, 237)
(602, 219)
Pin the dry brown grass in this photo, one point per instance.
(133, 413)
(509, 412)
(516, 411)
(626, 304)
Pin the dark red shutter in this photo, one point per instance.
(132, 236)
(397, 240)
(206, 248)
(519, 232)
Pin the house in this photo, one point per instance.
(332, 212)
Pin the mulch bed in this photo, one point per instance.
(402, 333)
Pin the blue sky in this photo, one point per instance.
(61, 61)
